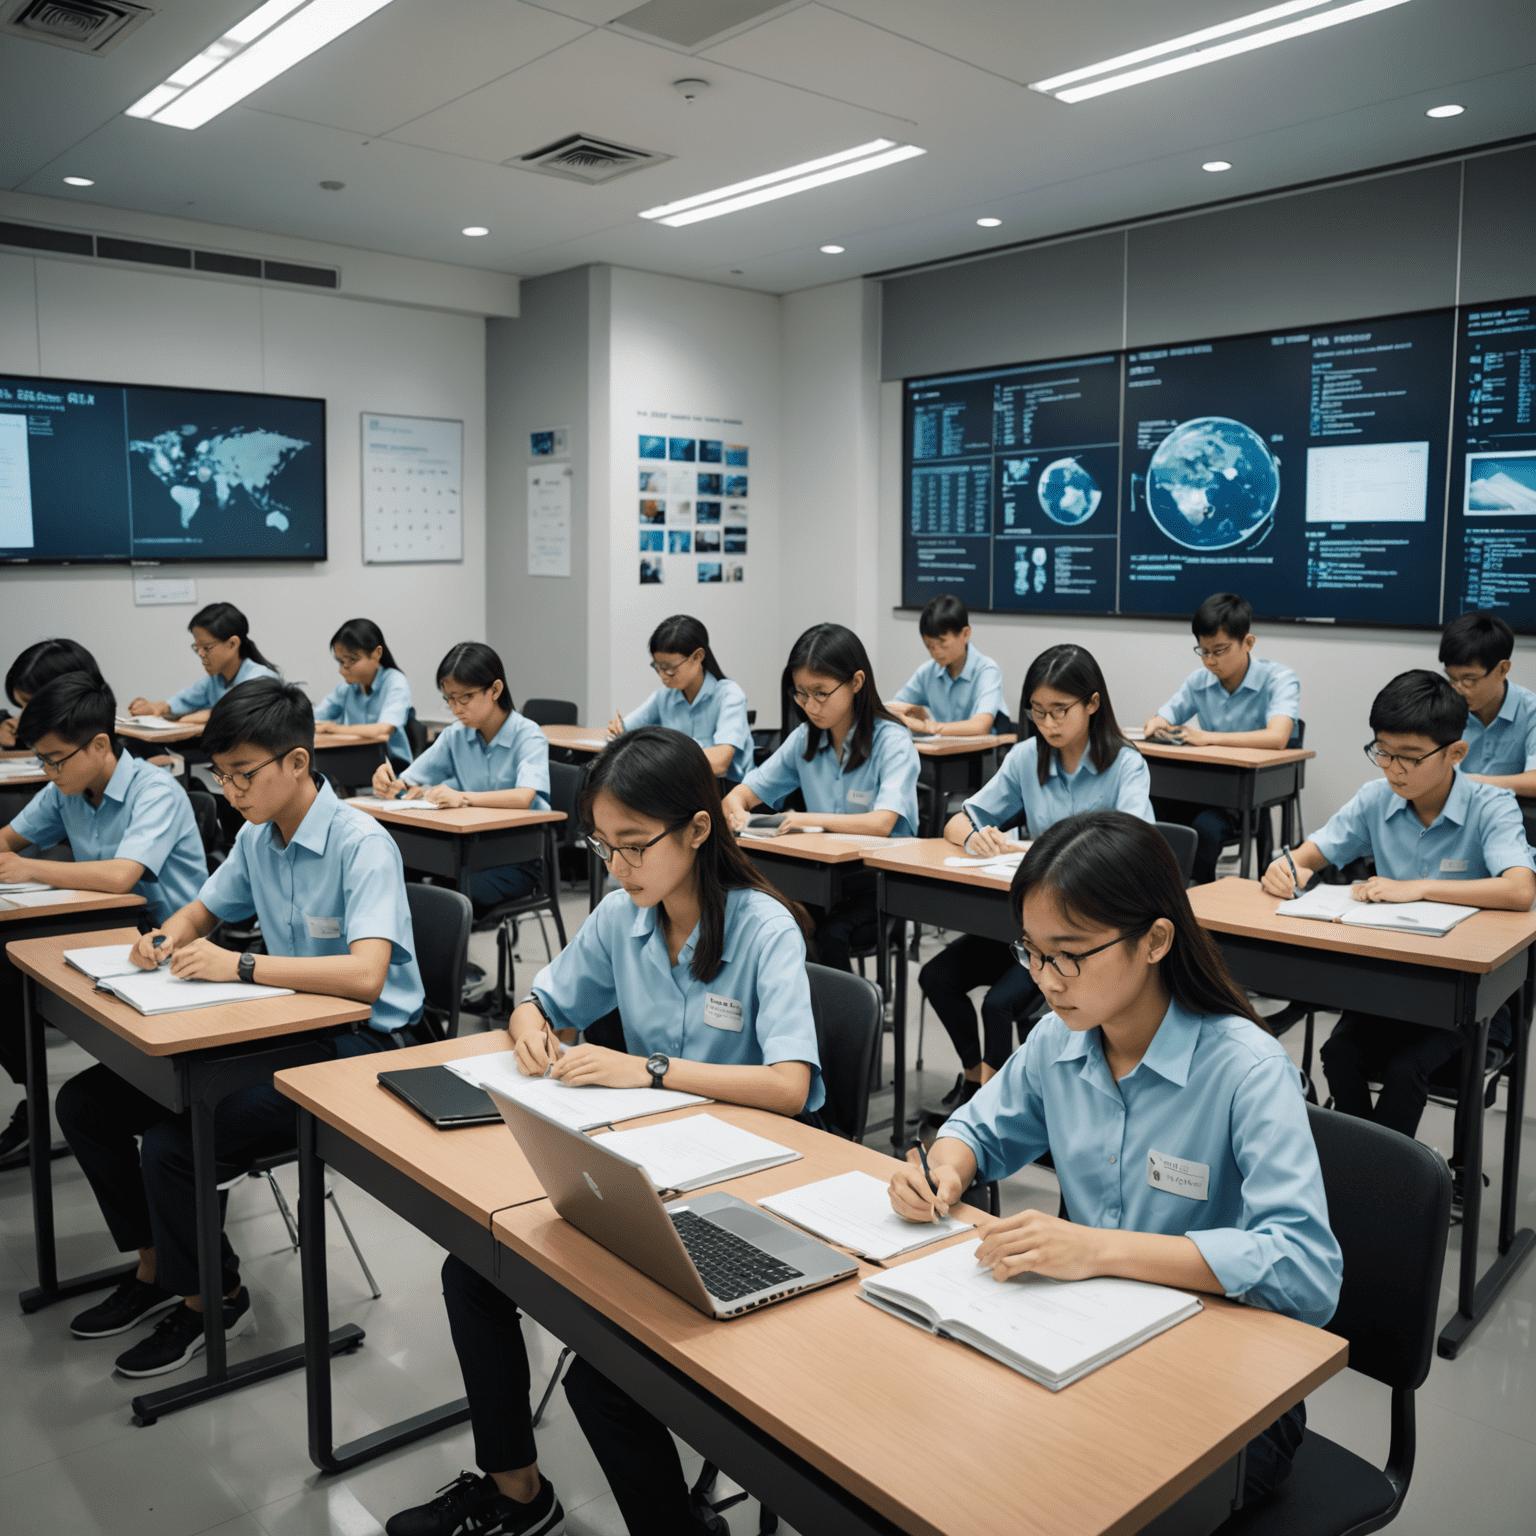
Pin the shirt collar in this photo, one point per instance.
(1056, 771)
(1457, 804)
(1169, 1055)
(647, 923)
(969, 670)
(707, 687)
(315, 828)
(505, 736)
(1250, 677)
(123, 775)
(1511, 705)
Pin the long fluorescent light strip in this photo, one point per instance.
(873, 147)
(1280, 34)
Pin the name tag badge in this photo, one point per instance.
(1178, 1176)
(722, 1012)
(323, 927)
(862, 797)
(1453, 866)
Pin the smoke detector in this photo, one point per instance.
(690, 90)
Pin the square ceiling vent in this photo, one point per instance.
(583, 158)
(83, 26)
(692, 23)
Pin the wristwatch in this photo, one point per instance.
(658, 1066)
(246, 968)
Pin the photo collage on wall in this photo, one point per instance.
(693, 498)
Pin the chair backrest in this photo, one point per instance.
(564, 782)
(1389, 1204)
(1298, 736)
(1184, 841)
(848, 1011)
(549, 711)
(415, 734)
(441, 919)
(205, 810)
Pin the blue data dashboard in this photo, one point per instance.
(1376, 472)
(111, 473)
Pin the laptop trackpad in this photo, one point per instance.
(757, 1228)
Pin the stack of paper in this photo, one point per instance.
(688, 1154)
(11, 887)
(581, 1109)
(1337, 904)
(149, 722)
(854, 1211)
(394, 805)
(859, 840)
(102, 960)
(157, 992)
(19, 768)
(47, 897)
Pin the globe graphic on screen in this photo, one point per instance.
(1212, 483)
(1068, 493)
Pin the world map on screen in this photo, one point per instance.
(240, 460)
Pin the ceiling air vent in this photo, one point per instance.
(692, 23)
(84, 26)
(583, 158)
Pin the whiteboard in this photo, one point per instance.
(413, 489)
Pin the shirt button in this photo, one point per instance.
(1113, 1158)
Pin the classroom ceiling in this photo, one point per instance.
(418, 109)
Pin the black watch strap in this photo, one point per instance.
(246, 967)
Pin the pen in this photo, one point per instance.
(389, 769)
(1285, 851)
(928, 1174)
(552, 1047)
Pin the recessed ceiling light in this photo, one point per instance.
(1119, 72)
(1450, 109)
(475, 230)
(250, 54)
(78, 181)
(833, 250)
(989, 223)
(1217, 165)
(874, 156)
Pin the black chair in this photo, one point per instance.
(549, 711)
(1185, 842)
(1389, 1204)
(849, 1021)
(503, 916)
(564, 785)
(441, 919)
(205, 811)
(415, 734)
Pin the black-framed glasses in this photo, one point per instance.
(203, 650)
(53, 764)
(1215, 653)
(242, 781)
(1056, 712)
(819, 699)
(1385, 759)
(1064, 964)
(460, 700)
(662, 670)
(1468, 682)
(631, 853)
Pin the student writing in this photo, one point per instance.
(373, 699)
(706, 967)
(326, 884)
(1476, 651)
(1238, 699)
(960, 691)
(36, 665)
(221, 640)
(1151, 1053)
(853, 762)
(695, 697)
(1073, 759)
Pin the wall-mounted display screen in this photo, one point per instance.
(111, 473)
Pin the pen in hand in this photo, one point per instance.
(552, 1047)
(389, 770)
(928, 1174)
(1285, 853)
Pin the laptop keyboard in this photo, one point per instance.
(730, 1266)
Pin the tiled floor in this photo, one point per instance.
(72, 1464)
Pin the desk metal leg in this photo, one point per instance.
(1244, 842)
(899, 1044)
(317, 1316)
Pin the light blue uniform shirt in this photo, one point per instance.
(1267, 690)
(144, 815)
(1124, 786)
(389, 699)
(754, 1012)
(885, 781)
(977, 691)
(1213, 1090)
(716, 718)
(517, 758)
(1508, 746)
(1478, 835)
(211, 687)
(338, 881)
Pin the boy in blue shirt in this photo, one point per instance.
(326, 883)
(129, 826)
(1476, 651)
(960, 691)
(1238, 700)
(1436, 835)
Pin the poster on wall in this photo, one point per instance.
(549, 519)
(413, 483)
(693, 490)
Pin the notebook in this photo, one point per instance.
(688, 1154)
(854, 1211)
(579, 1109)
(102, 960)
(1336, 904)
(149, 722)
(1053, 1331)
(47, 897)
(757, 825)
(157, 992)
(394, 805)
(441, 1096)
(14, 887)
(19, 767)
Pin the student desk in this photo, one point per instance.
(578, 742)
(1243, 779)
(807, 866)
(1457, 982)
(456, 844)
(17, 788)
(187, 1062)
(957, 765)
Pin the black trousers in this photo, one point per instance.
(849, 925)
(1271, 1454)
(13, 1034)
(947, 981)
(1213, 826)
(145, 1189)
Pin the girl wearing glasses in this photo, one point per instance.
(221, 640)
(695, 697)
(1073, 758)
(853, 761)
(1176, 1122)
(491, 757)
(373, 698)
(706, 967)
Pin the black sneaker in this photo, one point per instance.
(13, 1138)
(178, 1338)
(125, 1308)
(472, 1503)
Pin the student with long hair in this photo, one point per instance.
(37, 665)
(373, 699)
(853, 761)
(695, 697)
(706, 967)
(221, 640)
(1073, 758)
(1151, 1056)
(491, 756)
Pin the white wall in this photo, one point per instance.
(119, 325)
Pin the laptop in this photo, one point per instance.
(719, 1253)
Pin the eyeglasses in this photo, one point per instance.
(242, 781)
(661, 670)
(1384, 759)
(1467, 682)
(1064, 964)
(203, 650)
(460, 700)
(818, 699)
(1215, 653)
(631, 853)
(1057, 712)
(53, 764)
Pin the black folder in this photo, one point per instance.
(441, 1096)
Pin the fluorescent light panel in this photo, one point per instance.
(843, 155)
(271, 40)
(1190, 55)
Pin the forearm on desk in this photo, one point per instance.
(1523, 784)
(359, 975)
(780, 1088)
(868, 824)
(112, 877)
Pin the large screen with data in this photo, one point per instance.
(1377, 472)
(98, 473)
